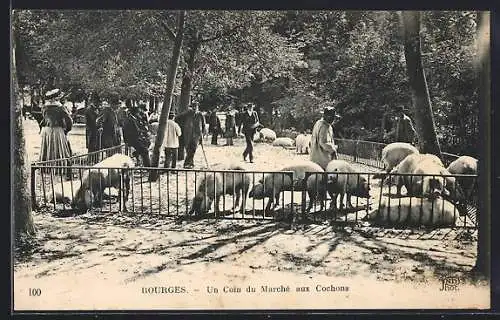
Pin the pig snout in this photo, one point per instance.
(200, 205)
(434, 194)
(257, 191)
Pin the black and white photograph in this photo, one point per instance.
(249, 159)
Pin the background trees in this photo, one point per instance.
(290, 63)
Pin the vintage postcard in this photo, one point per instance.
(220, 160)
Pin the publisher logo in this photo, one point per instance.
(450, 283)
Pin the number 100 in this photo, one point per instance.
(35, 291)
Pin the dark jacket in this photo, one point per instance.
(405, 132)
(135, 130)
(249, 122)
(214, 125)
(57, 116)
(192, 124)
(108, 121)
(91, 128)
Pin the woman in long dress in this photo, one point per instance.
(56, 124)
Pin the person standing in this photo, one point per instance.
(214, 126)
(109, 127)
(230, 126)
(136, 134)
(56, 123)
(238, 120)
(250, 122)
(323, 148)
(171, 142)
(91, 113)
(404, 131)
(192, 123)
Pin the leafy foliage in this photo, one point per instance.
(290, 63)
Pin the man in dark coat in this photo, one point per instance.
(192, 123)
(136, 133)
(214, 126)
(404, 131)
(91, 114)
(109, 126)
(250, 122)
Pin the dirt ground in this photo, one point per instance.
(107, 261)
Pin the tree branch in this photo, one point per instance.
(171, 35)
(221, 35)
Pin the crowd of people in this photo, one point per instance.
(108, 124)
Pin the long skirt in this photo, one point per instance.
(54, 146)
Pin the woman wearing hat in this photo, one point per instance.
(323, 148)
(56, 124)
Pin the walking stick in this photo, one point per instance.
(204, 155)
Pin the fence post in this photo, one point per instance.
(34, 205)
(355, 153)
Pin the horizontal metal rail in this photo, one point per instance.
(242, 194)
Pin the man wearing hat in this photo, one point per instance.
(404, 131)
(56, 124)
(136, 133)
(323, 148)
(250, 122)
(192, 123)
(91, 135)
(171, 141)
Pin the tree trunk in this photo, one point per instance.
(169, 90)
(187, 77)
(483, 66)
(21, 202)
(424, 120)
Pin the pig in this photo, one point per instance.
(440, 184)
(96, 180)
(407, 166)
(225, 183)
(465, 165)
(267, 135)
(273, 183)
(393, 154)
(414, 212)
(303, 143)
(345, 184)
(65, 192)
(283, 142)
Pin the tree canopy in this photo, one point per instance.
(291, 63)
